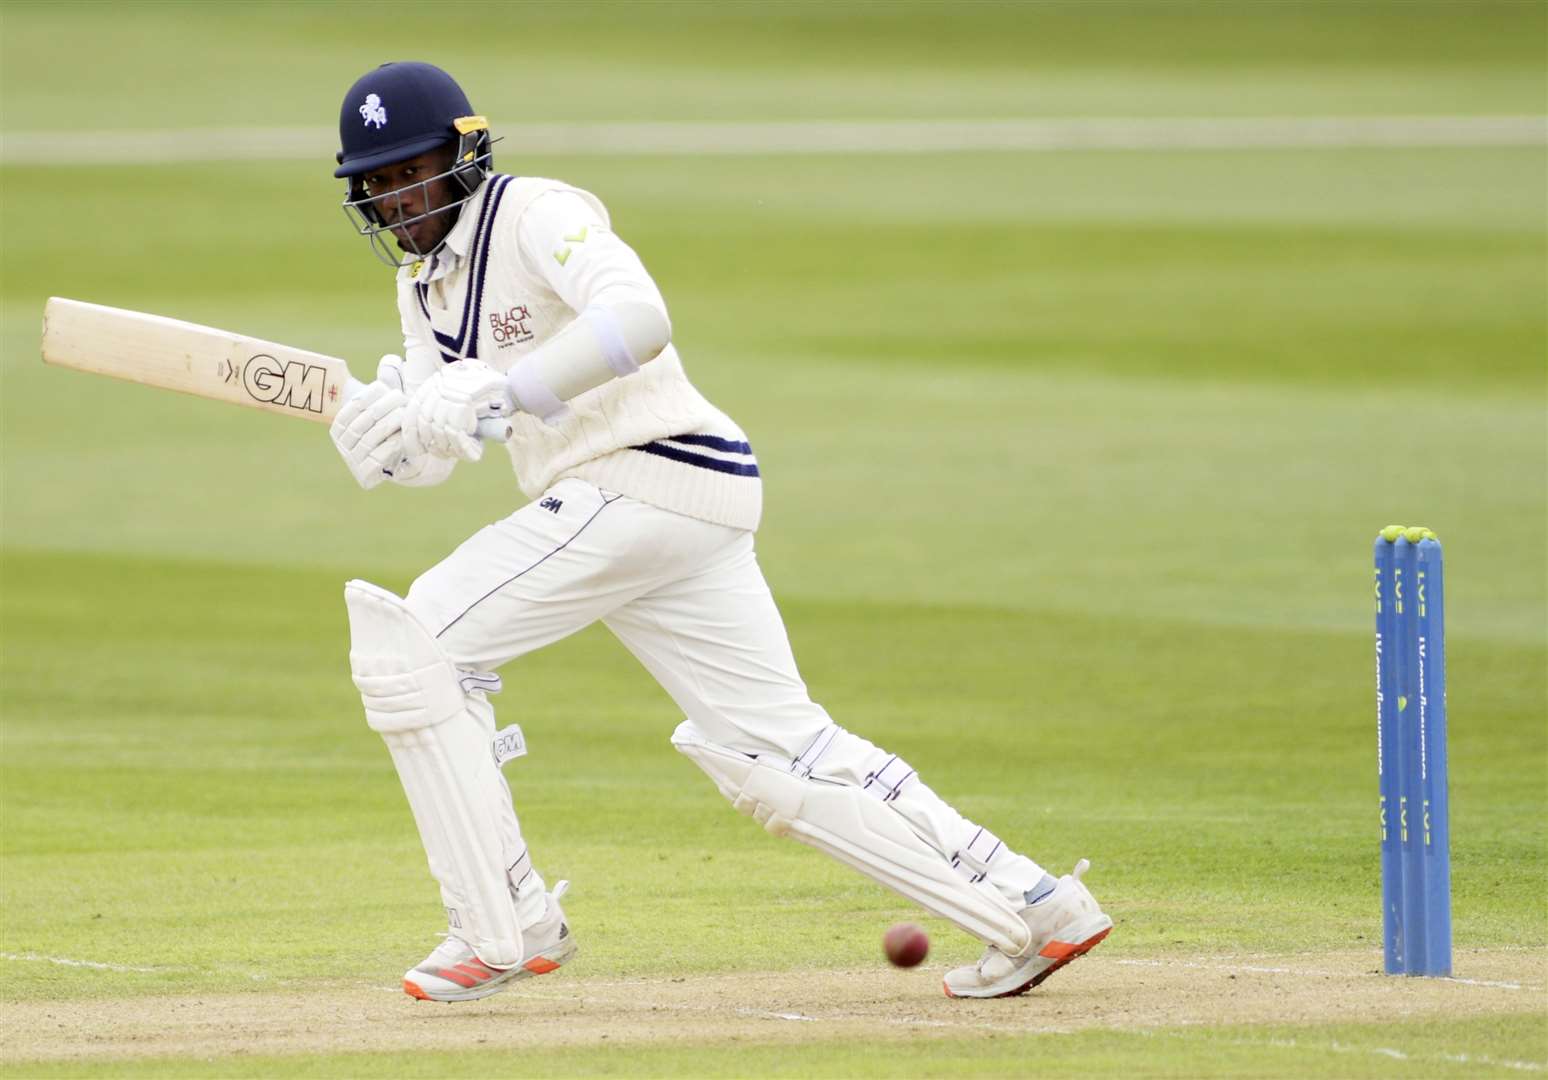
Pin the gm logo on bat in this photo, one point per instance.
(293, 384)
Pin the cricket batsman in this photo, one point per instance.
(519, 301)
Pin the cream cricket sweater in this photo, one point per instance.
(525, 258)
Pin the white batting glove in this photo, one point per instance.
(368, 430)
(389, 370)
(419, 470)
(442, 416)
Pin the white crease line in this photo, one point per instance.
(1489, 982)
(1254, 969)
(897, 1022)
(1502, 948)
(765, 1015)
(97, 965)
(156, 146)
(1524, 1066)
(65, 961)
(1344, 1048)
(1477, 950)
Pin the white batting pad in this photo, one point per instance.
(858, 826)
(414, 699)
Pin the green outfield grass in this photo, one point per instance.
(274, 63)
(1073, 462)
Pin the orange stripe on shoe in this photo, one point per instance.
(1059, 950)
(540, 965)
(412, 990)
(453, 975)
(1065, 950)
(478, 971)
(480, 968)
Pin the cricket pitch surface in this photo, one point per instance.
(1155, 995)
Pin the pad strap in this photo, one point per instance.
(887, 781)
(972, 862)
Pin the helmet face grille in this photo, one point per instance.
(376, 216)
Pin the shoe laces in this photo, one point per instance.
(993, 955)
(551, 912)
(453, 950)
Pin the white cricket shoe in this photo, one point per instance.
(1064, 925)
(453, 971)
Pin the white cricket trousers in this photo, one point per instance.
(687, 598)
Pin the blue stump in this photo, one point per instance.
(1411, 753)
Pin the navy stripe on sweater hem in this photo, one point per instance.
(672, 453)
(713, 442)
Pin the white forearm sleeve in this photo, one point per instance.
(606, 342)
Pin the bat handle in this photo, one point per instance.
(495, 429)
(492, 428)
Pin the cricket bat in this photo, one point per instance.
(174, 355)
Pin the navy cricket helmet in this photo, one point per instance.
(396, 112)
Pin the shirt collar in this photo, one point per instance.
(457, 244)
(460, 240)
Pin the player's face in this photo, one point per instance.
(408, 189)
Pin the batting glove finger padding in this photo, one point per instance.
(368, 432)
(443, 414)
(417, 468)
(389, 370)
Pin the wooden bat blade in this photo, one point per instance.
(174, 355)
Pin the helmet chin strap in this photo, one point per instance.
(475, 154)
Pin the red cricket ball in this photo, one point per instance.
(905, 944)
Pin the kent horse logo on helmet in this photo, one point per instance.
(373, 112)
